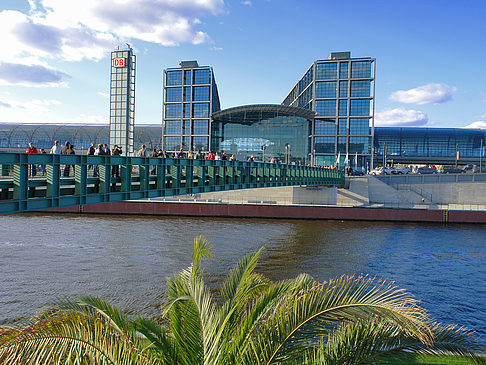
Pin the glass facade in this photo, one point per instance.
(435, 144)
(406, 145)
(190, 96)
(344, 90)
(122, 99)
(270, 131)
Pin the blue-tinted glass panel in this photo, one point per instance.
(186, 111)
(173, 94)
(343, 126)
(341, 146)
(325, 126)
(360, 88)
(174, 78)
(326, 89)
(172, 143)
(200, 126)
(186, 126)
(200, 110)
(343, 107)
(186, 143)
(360, 107)
(200, 143)
(202, 76)
(187, 77)
(173, 110)
(326, 71)
(324, 144)
(343, 89)
(343, 70)
(361, 69)
(187, 93)
(359, 126)
(359, 145)
(201, 93)
(326, 107)
(173, 127)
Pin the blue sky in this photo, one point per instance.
(55, 61)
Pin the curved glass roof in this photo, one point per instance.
(261, 111)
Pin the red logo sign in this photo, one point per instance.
(118, 62)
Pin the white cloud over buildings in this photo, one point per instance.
(401, 117)
(426, 94)
(73, 30)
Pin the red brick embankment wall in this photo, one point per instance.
(278, 211)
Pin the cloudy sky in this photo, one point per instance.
(55, 58)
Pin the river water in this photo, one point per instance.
(126, 259)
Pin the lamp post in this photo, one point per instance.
(457, 153)
(481, 158)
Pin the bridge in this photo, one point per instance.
(101, 179)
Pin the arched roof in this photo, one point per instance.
(245, 112)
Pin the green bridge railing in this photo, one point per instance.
(41, 181)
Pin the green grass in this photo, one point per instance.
(428, 360)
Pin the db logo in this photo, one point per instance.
(118, 62)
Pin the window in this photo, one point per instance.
(360, 88)
(359, 126)
(359, 145)
(187, 110)
(173, 127)
(343, 107)
(174, 78)
(186, 126)
(360, 107)
(186, 143)
(200, 110)
(202, 76)
(187, 93)
(326, 89)
(325, 126)
(173, 110)
(343, 89)
(324, 144)
(200, 143)
(201, 93)
(361, 69)
(341, 147)
(200, 126)
(326, 107)
(173, 94)
(187, 77)
(343, 126)
(326, 71)
(172, 143)
(343, 70)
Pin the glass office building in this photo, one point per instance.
(341, 91)
(263, 131)
(423, 145)
(122, 99)
(190, 97)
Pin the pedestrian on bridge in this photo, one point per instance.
(32, 149)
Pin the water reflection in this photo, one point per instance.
(127, 259)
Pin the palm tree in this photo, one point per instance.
(251, 320)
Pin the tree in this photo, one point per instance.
(348, 320)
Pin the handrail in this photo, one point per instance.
(98, 179)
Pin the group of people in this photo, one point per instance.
(196, 155)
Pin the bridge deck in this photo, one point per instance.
(94, 179)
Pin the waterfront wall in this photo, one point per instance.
(277, 211)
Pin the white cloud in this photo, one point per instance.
(477, 125)
(401, 117)
(247, 3)
(102, 94)
(35, 110)
(426, 94)
(31, 75)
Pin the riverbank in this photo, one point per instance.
(260, 210)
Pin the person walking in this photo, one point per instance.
(43, 167)
(32, 149)
(142, 152)
(55, 149)
(115, 170)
